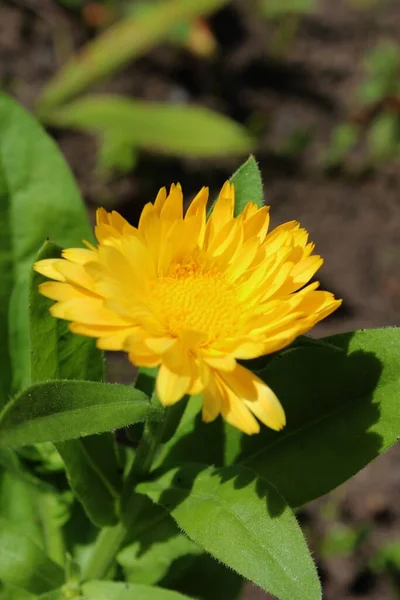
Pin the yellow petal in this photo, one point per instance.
(160, 199)
(79, 255)
(237, 414)
(173, 206)
(256, 395)
(47, 267)
(89, 311)
(56, 290)
(171, 386)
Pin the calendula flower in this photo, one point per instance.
(193, 295)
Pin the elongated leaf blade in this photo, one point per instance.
(159, 127)
(343, 410)
(126, 40)
(38, 199)
(111, 590)
(62, 410)
(24, 564)
(242, 522)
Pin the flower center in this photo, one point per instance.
(191, 299)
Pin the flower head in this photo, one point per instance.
(192, 296)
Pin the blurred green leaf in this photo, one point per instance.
(56, 595)
(122, 42)
(382, 66)
(24, 564)
(160, 127)
(116, 153)
(218, 507)
(38, 199)
(280, 8)
(342, 411)
(384, 136)
(10, 592)
(387, 557)
(34, 506)
(62, 410)
(110, 590)
(340, 540)
(343, 140)
(19, 503)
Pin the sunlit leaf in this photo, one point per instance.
(126, 40)
(159, 127)
(241, 521)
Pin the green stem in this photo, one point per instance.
(53, 537)
(105, 549)
(110, 539)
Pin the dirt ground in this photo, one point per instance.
(355, 221)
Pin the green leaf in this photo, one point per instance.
(19, 504)
(344, 138)
(384, 136)
(62, 410)
(9, 592)
(55, 595)
(38, 199)
(156, 543)
(155, 126)
(126, 40)
(37, 508)
(342, 411)
(24, 564)
(281, 8)
(110, 590)
(89, 482)
(205, 579)
(241, 521)
(248, 185)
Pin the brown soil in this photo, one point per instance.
(355, 221)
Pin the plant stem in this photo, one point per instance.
(110, 539)
(53, 537)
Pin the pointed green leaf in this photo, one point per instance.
(343, 410)
(156, 126)
(126, 40)
(38, 199)
(24, 564)
(243, 522)
(248, 185)
(111, 590)
(62, 410)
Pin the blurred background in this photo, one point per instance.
(141, 93)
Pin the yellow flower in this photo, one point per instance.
(193, 296)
